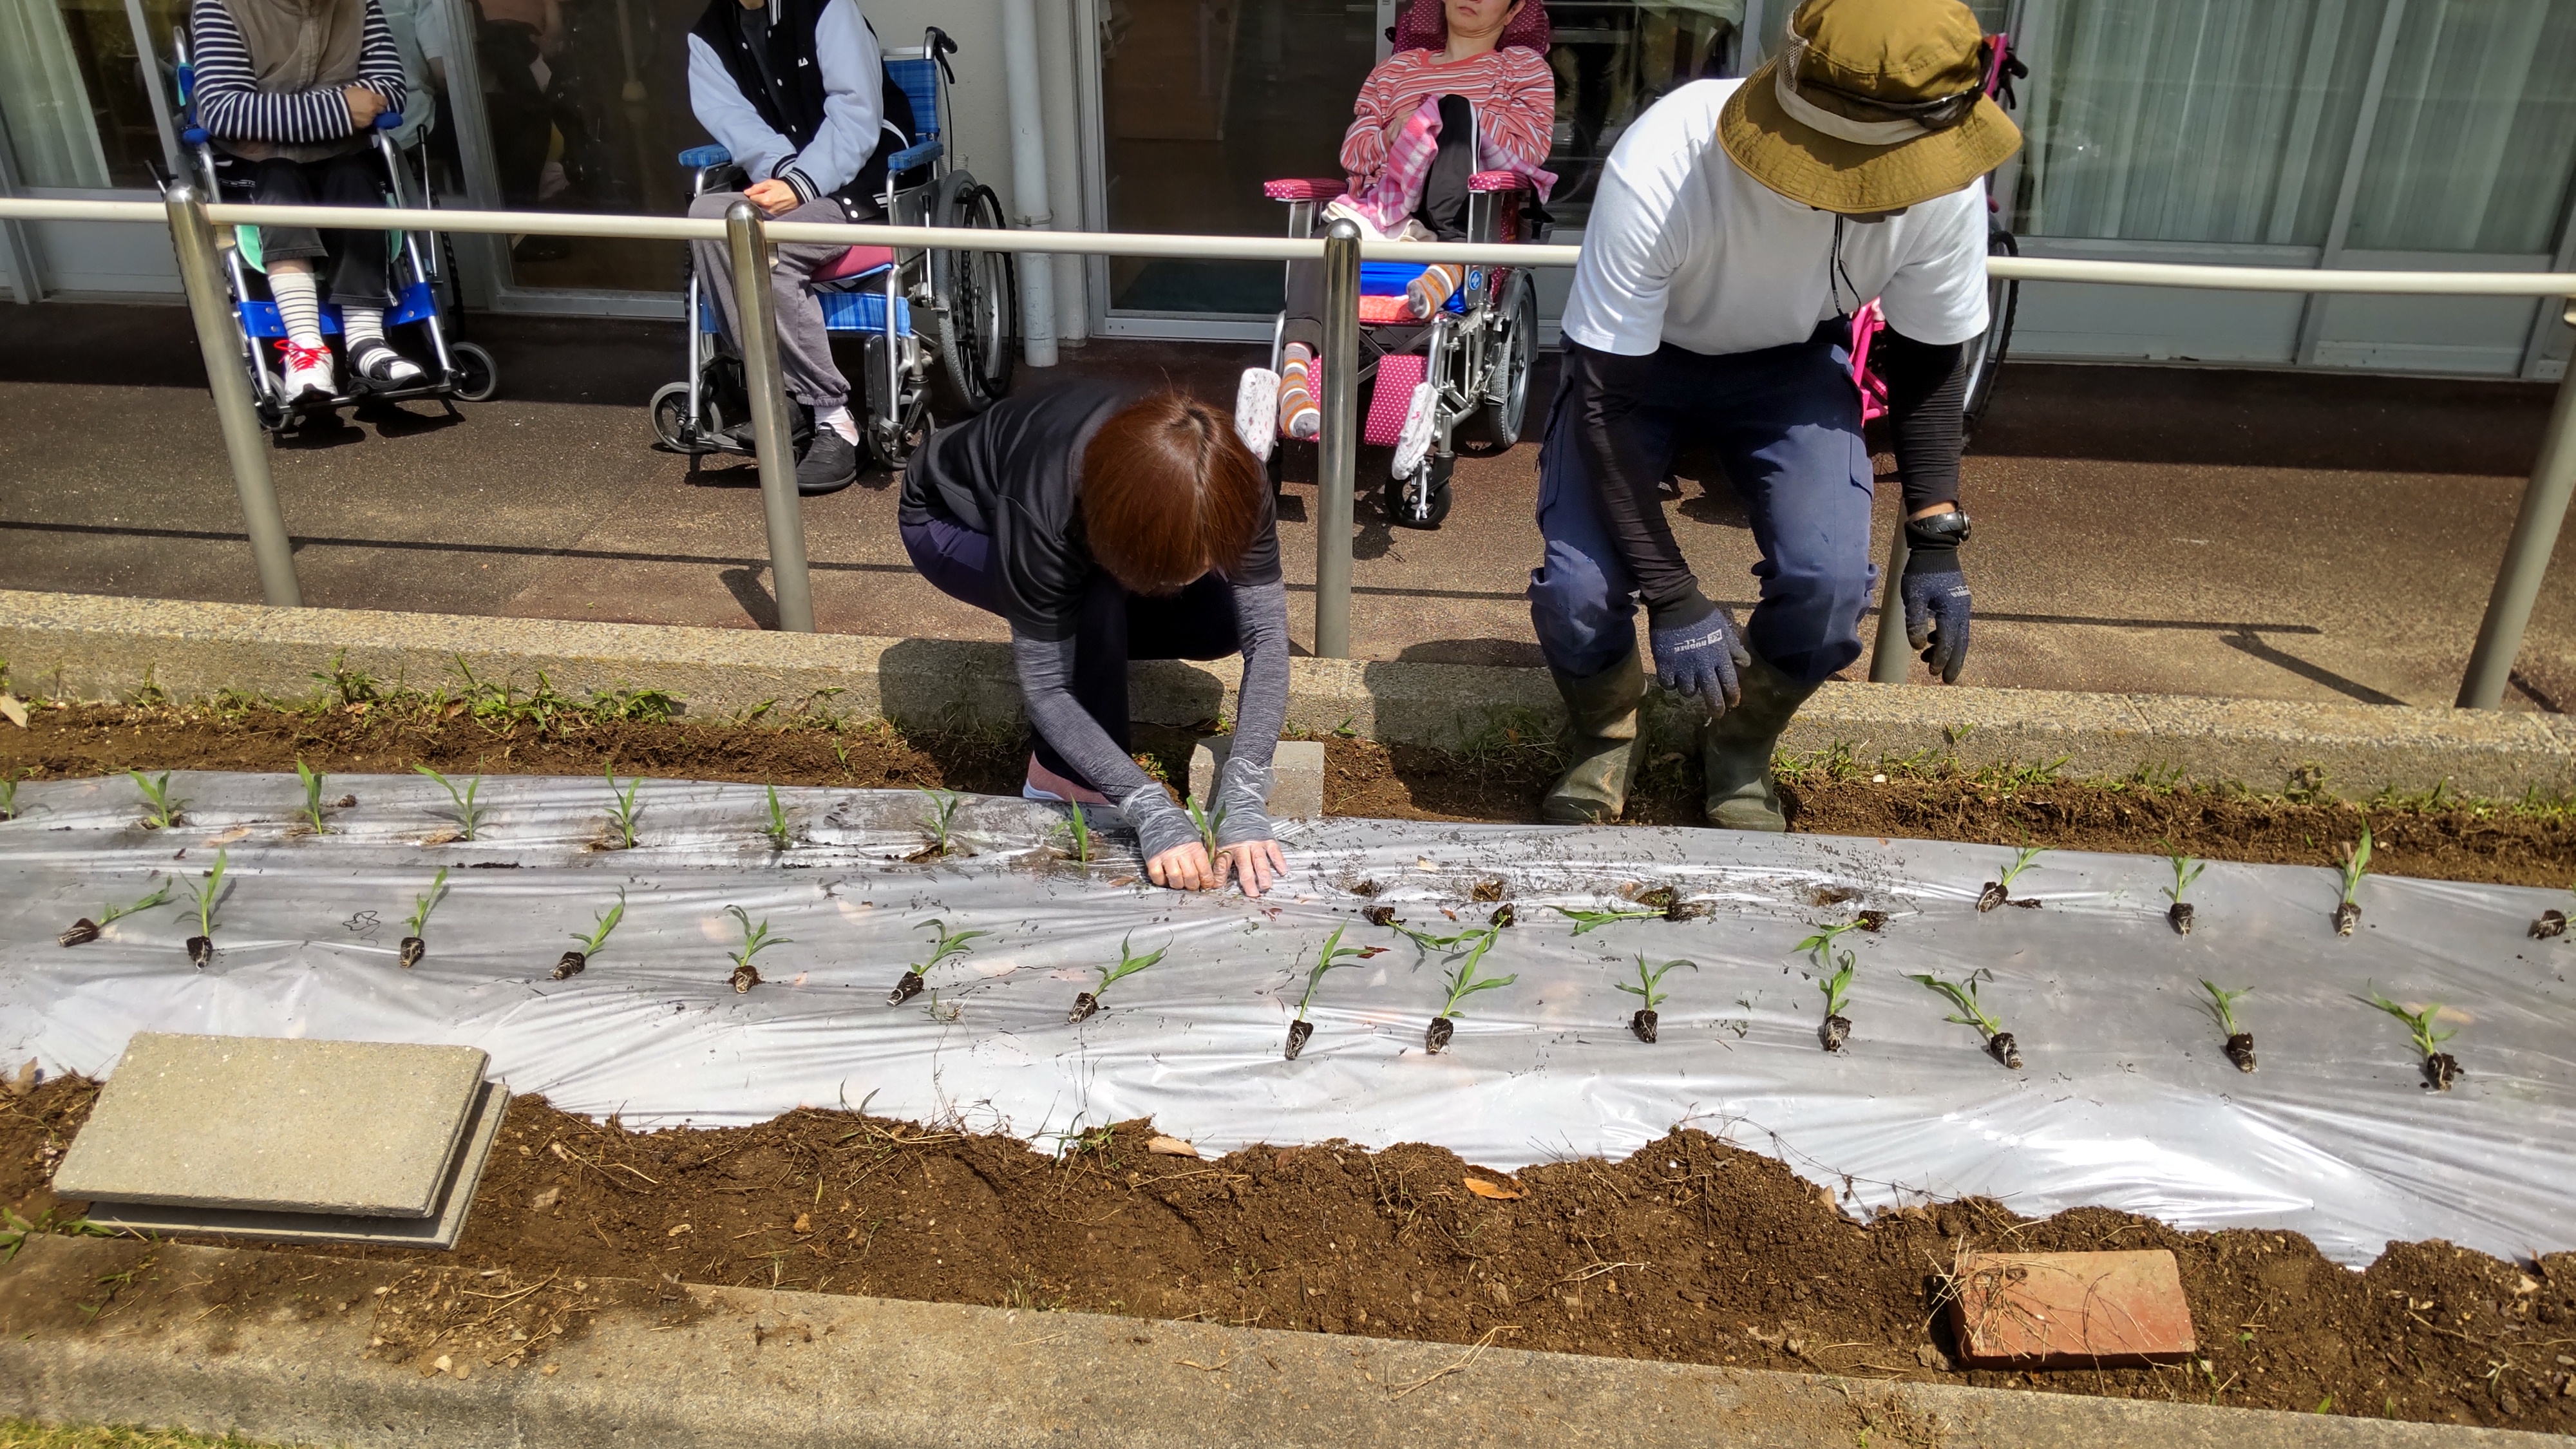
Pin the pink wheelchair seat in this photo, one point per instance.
(856, 262)
(1310, 188)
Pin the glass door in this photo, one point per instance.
(85, 112)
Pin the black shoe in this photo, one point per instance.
(830, 464)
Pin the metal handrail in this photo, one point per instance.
(2500, 631)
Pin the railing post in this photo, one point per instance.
(1338, 453)
(245, 441)
(1887, 661)
(758, 309)
(2526, 555)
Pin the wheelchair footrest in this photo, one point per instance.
(1397, 377)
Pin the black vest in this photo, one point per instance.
(794, 107)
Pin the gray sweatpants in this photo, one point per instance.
(805, 362)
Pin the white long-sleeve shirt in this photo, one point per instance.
(853, 105)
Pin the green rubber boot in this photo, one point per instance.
(1604, 708)
(1735, 750)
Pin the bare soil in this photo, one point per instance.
(1690, 1250)
(2440, 840)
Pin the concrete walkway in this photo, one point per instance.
(217, 1339)
(2293, 537)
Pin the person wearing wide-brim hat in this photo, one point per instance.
(1738, 227)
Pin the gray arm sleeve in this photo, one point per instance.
(1243, 791)
(1046, 677)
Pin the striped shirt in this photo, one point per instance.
(230, 103)
(1512, 89)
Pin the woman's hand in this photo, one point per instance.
(1183, 868)
(1256, 863)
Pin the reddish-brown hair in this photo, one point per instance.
(1169, 492)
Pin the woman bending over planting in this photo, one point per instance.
(1104, 526)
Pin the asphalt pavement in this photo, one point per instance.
(2153, 530)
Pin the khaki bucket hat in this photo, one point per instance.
(1872, 105)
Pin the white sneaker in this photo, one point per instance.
(1413, 444)
(377, 362)
(1256, 411)
(309, 372)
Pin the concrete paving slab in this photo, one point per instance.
(367, 1129)
(441, 1229)
(698, 1366)
(1296, 775)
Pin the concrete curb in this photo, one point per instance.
(96, 647)
(724, 1367)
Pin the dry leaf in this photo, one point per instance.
(238, 832)
(1171, 1147)
(1484, 1189)
(546, 1199)
(804, 1223)
(25, 1082)
(675, 1232)
(12, 710)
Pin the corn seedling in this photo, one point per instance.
(1648, 978)
(775, 827)
(1820, 946)
(2441, 1069)
(1334, 954)
(9, 794)
(1463, 983)
(469, 816)
(1999, 892)
(161, 812)
(2222, 1009)
(941, 823)
(1129, 963)
(1837, 988)
(622, 811)
(2353, 860)
(950, 943)
(1208, 823)
(574, 960)
(1589, 921)
(1963, 995)
(1078, 830)
(311, 814)
(2185, 871)
(2551, 925)
(755, 939)
(201, 946)
(413, 946)
(85, 930)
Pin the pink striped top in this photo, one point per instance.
(1513, 90)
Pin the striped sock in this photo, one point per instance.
(299, 306)
(1427, 292)
(1301, 413)
(361, 324)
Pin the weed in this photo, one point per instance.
(1963, 995)
(2441, 1069)
(1837, 988)
(86, 930)
(2353, 861)
(469, 816)
(1648, 979)
(1587, 921)
(353, 686)
(755, 939)
(622, 809)
(1334, 954)
(1129, 963)
(950, 943)
(162, 812)
(16, 1231)
(591, 944)
(1463, 983)
(2185, 871)
(776, 825)
(312, 811)
(2222, 1009)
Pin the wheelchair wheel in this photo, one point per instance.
(671, 421)
(478, 377)
(1986, 354)
(1422, 499)
(979, 303)
(1495, 422)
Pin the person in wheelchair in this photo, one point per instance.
(291, 88)
(1467, 89)
(797, 91)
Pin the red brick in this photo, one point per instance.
(2070, 1310)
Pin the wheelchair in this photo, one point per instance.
(937, 323)
(423, 287)
(1474, 353)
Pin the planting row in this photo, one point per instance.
(1463, 953)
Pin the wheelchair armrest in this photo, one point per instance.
(698, 158)
(919, 154)
(1313, 188)
(1499, 181)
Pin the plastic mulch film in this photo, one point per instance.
(2125, 1098)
